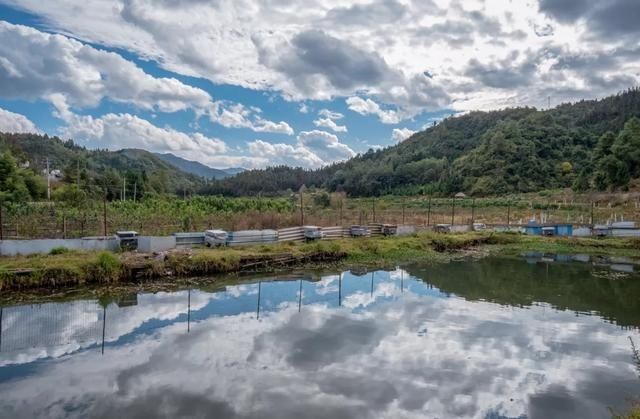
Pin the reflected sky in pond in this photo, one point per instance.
(496, 338)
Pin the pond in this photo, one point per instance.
(538, 337)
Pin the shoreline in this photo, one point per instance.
(50, 275)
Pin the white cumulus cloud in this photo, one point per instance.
(443, 53)
(116, 131)
(312, 149)
(401, 134)
(15, 123)
(36, 65)
(330, 124)
(236, 115)
(369, 107)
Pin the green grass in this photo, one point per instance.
(72, 268)
(59, 250)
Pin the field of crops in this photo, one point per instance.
(161, 216)
(154, 216)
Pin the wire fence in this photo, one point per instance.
(55, 223)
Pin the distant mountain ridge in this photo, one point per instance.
(139, 166)
(196, 168)
(511, 150)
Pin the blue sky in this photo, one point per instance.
(254, 83)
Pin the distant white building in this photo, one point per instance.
(54, 174)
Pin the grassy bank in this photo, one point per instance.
(72, 269)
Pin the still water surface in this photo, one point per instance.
(496, 338)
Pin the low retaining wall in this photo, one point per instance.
(149, 244)
(406, 230)
(30, 247)
(460, 228)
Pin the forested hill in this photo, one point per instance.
(97, 169)
(584, 145)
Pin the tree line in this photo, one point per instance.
(482, 153)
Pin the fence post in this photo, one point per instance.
(473, 210)
(104, 214)
(453, 211)
(373, 207)
(301, 209)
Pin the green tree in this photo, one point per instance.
(70, 196)
(626, 147)
(581, 183)
(616, 171)
(16, 185)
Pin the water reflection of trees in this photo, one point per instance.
(566, 286)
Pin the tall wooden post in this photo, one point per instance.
(301, 210)
(429, 212)
(453, 211)
(300, 297)
(259, 295)
(104, 214)
(592, 219)
(48, 181)
(189, 311)
(403, 206)
(473, 211)
(373, 207)
(509, 213)
(104, 325)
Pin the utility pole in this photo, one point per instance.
(509, 213)
(124, 188)
(48, 181)
(78, 173)
(592, 219)
(429, 212)
(135, 191)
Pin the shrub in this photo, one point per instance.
(60, 250)
(105, 268)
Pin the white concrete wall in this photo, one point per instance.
(406, 230)
(582, 232)
(30, 247)
(625, 232)
(150, 244)
(460, 228)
